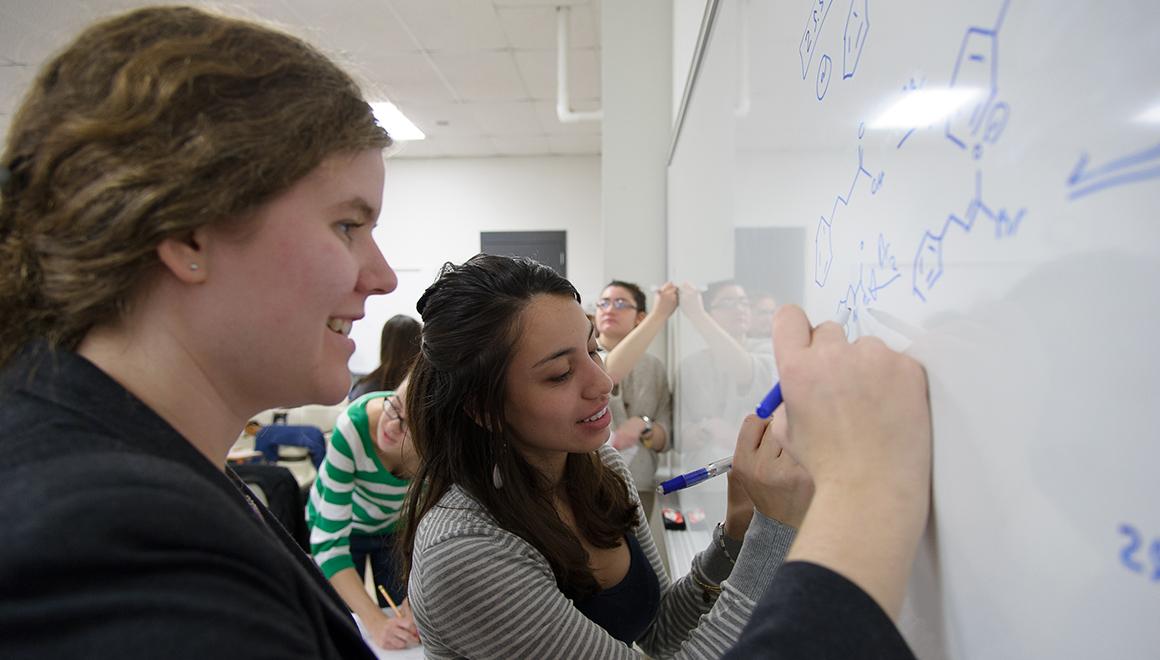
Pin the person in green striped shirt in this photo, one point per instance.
(354, 507)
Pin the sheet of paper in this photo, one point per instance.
(413, 653)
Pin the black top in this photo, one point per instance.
(122, 541)
(626, 609)
(812, 612)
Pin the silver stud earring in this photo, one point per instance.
(194, 267)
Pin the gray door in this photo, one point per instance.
(546, 247)
(771, 260)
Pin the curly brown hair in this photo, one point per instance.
(146, 127)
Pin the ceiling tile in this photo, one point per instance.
(452, 25)
(442, 119)
(356, 26)
(534, 28)
(484, 61)
(482, 76)
(507, 118)
(402, 77)
(541, 3)
(538, 68)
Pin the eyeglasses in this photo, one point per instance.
(617, 304)
(394, 408)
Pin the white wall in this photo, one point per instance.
(637, 93)
(434, 210)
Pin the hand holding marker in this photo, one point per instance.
(718, 467)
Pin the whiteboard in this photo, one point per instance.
(987, 174)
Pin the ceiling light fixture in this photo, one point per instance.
(400, 128)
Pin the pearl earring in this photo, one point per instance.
(194, 267)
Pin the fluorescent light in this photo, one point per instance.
(924, 107)
(398, 126)
(1150, 116)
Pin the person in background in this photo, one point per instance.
(168, 173)
(398, 346)
(354, 507)
(723, 382)
(641, 402)
(762, 307)
(527, 538)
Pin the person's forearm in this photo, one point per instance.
(621, 359)
(350, 586)
(868, 536)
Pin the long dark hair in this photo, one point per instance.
(455, 401)
(398, 346)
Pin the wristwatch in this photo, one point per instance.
(646, 433)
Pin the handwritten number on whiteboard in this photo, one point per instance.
(1130, 549)
(1155, 551)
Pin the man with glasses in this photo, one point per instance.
(720, 383)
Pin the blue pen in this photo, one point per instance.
(773, 399)
(680, 482)
(723, 465)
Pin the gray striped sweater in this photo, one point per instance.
(479, 591)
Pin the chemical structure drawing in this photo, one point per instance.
(814, 24)
(977, 67)
(857, 27)
(823, 239)
(928, 262)
(1132, 168)
(853, 42)
(871, 280)
(824, 68)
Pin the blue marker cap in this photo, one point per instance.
(770, 402)
(683, 481)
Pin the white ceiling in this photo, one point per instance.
(477, 76)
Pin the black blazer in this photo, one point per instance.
(120, 540)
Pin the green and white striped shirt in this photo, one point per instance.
(354, 493)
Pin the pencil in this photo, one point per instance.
(390, 602)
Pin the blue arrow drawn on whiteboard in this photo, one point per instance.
(1132, 168)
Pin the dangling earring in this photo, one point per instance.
(496, 477)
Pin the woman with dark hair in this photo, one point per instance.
(168, 173)
(527, 538)
(398, 346)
